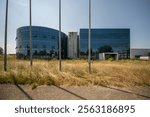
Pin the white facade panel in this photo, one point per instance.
(72, 45)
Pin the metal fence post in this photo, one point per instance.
(89, 39)
(60, 66)
(30, 18)
(5, 42)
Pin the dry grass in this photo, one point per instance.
(123, 73)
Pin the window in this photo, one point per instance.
(44, 46)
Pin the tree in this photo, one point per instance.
(105, 48)
(1, 51)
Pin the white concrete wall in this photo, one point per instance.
(101, 56)
(144, 57)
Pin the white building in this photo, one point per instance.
(73, 45)
(139, 53)
(104, 56)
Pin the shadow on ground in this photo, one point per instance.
(44, 92)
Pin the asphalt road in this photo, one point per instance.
(25, 92)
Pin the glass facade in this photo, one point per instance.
(44, 42)
(102, 39)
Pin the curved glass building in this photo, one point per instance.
(45, 42)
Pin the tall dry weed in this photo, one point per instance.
(123, 73)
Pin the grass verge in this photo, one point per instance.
(122, 73)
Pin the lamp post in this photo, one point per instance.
(30, 18)
(5, 42)
(89, 38)
(60, 66)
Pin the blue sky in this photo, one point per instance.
(133, 14)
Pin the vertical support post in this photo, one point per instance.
(30, 18)
(5, 42)
(89, 39)
(60, 66)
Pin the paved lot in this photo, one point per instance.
(25, 92)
